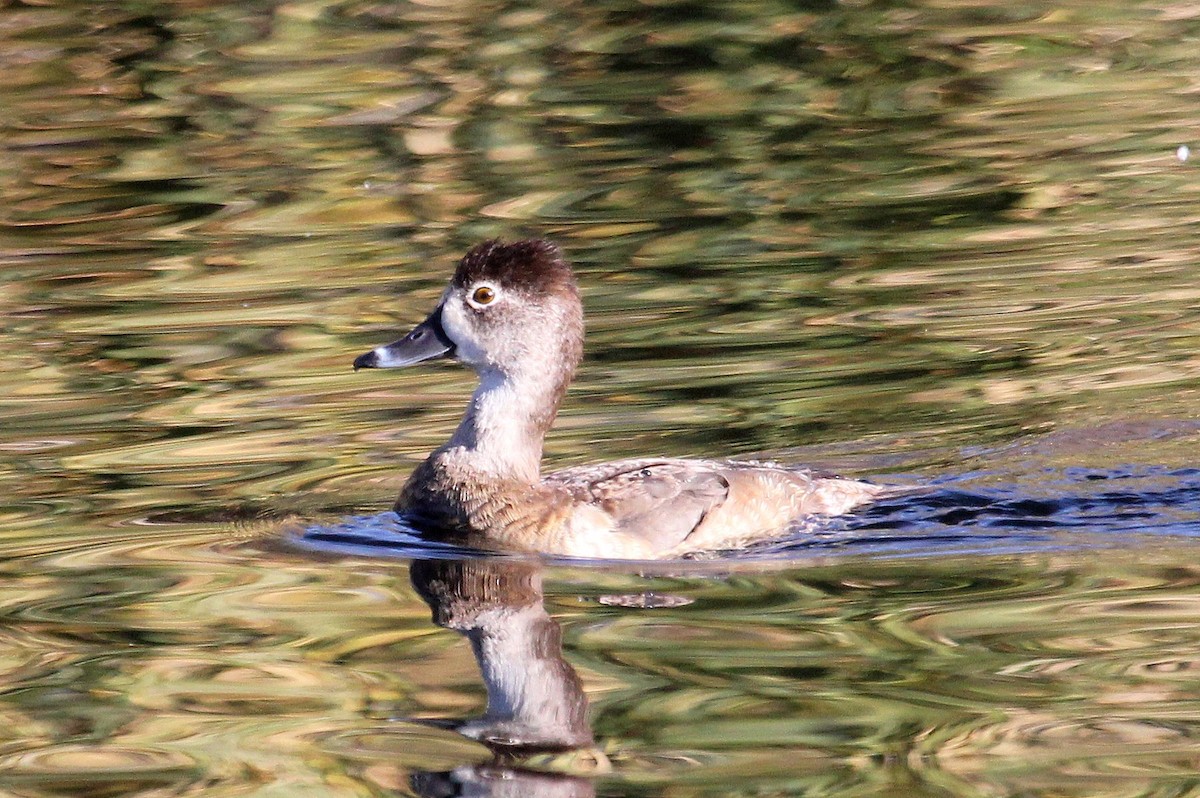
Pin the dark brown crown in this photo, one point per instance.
(531, 266)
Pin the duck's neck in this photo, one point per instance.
(502, 433)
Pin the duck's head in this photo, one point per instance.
(512, 310)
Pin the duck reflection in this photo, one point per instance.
(536, 705)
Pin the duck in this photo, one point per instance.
(513, 313)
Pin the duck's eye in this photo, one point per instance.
(483, 295)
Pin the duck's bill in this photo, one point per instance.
(426, 341)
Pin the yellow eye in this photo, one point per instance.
(483, 295)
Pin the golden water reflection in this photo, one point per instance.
(187, 665)
(948, 244)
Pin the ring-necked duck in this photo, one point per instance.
(512, 312)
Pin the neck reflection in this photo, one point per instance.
(536, 704)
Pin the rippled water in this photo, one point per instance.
(946, 245)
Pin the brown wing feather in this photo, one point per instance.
(660, 502)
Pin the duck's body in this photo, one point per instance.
(631, 509)
(513, 313)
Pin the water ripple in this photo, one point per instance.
(96, 770)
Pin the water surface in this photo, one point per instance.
(943, 245)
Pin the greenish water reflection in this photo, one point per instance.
(945, 243)
(981, 675)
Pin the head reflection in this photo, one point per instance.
(536, 705)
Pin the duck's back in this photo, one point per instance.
(674, 506)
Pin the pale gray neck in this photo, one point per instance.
(506, 422)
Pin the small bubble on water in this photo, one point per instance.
(1183, 152)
